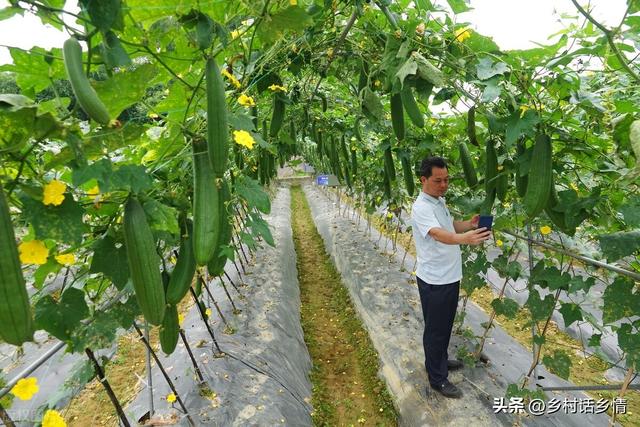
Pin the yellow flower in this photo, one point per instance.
(574, 186)
(54, 193)
(330, 52)
(545, 229)
(65, 259)
(171, 398)
(389, 215)
(500, 167)
(275, 88)
(462, 34)
(25, 388)
(33, 252)
(232, 79)
(246, 101)
(94, 191)
(242, 137)
(52, 418)
(377, 83)
(523, 109)
(235, 34)
(293, 2)
(208, 312)
(499, 243)
(180, 319)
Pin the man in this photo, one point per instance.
(437, 238)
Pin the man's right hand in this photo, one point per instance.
(476, 236)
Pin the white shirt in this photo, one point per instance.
(438, 263)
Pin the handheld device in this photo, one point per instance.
(485, 221)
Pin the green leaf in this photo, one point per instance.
(60, 223)
(631, 212)
(517, 126)
(458, 6)
(629, 342)
(491, 91)
(290, 19)
(241, 121)
(253, 194)
(559, 363)
(549, 277)
(97, 334)
(51, 266)
(131, 177)
(259, 227)
(505, 307)
(485, 69)
(110, 259)
(620, 300)
(101, 171)
(125, 88)
(32, 71)
(113, 53)
(578, 283)
(540, 309)
(61, 319)
(618, 245)
(11, 11)
(104, 14)
(570, 313)
(409, 68)
(594, 340)
(162, 217)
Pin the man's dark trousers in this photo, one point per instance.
(439, 304)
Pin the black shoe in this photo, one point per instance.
(454, 365)
(448, 390)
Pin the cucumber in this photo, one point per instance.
(82, 89)
(390, 169)
(277, 115)
(411, 107)
(15, 311)
(470, 174)
(217, 127)
(397, 116)
(409, 176)
(205, 205)
(144, 262)
(183, 272)
(169, 330)
(471, 126)
(540, 176)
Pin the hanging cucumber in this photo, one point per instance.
(217, 128)
(82, 89)
(397, 116)
(205, 205)
(15, 311)
(411, 107)
(183, 272)
(144, 262)
(540, 177)
(169, 330)
(468, 168)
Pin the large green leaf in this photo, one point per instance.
(104, 14)
(631, 212)
(486, 68)
(253, 194)
(629, 341)
(32, 69)
(110, 259)
(540, 308)
(505, 307)
(620, 301)
(520, 124)
(570, 313)
(618, 245)
(62, 223)
(132, 178)
(162, 217)
(289, 19)
(559, 363)
(458, 6)
(259, 227)
(60, 319)
(126, 88)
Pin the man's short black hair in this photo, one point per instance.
(426, 168)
